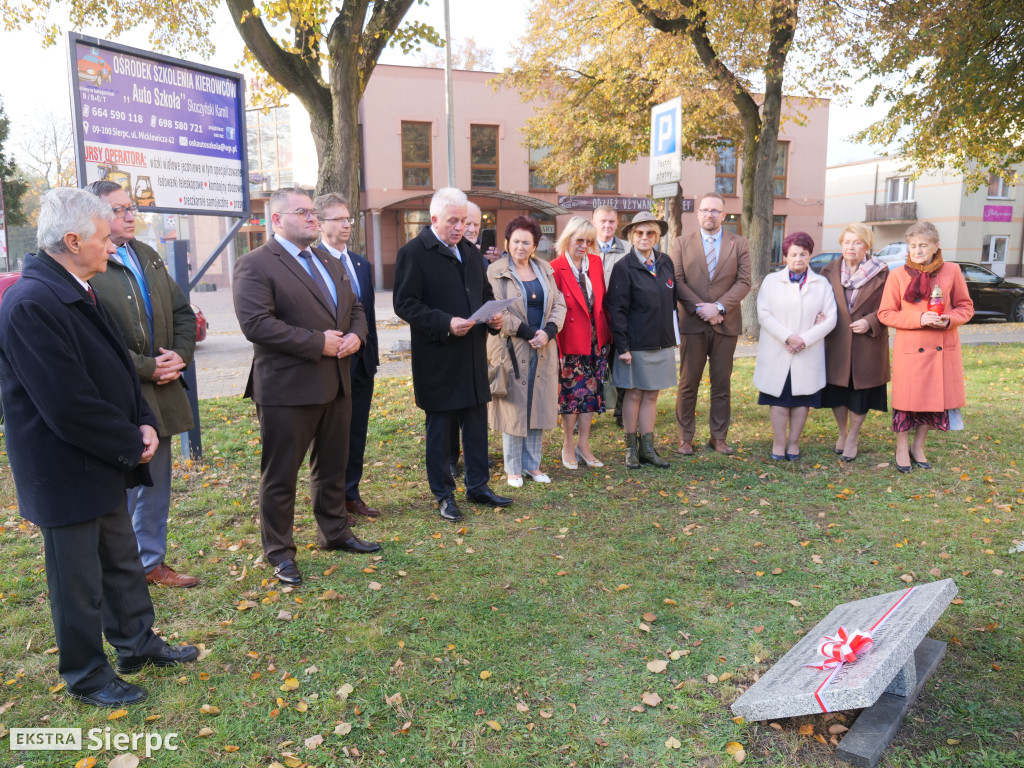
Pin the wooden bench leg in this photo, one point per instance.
(876, 726)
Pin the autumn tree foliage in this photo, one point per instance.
(467, 55)
(13, 183)
(951, 74)
(596, 67)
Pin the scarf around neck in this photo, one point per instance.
(858, 278)
(921, 283)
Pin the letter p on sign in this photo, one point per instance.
(665, 134)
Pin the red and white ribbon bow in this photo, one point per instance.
(843, 648)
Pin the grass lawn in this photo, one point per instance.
(520, 638)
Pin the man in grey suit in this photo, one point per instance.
(297, 307)
(712, 277)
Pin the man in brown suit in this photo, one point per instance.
(296, 305)
(712, 277)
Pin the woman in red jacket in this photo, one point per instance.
(583, 341)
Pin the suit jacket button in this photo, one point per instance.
(921, 349)
(938, 349)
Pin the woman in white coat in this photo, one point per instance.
(796, 309)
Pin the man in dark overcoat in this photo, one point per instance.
(439, 282)
(79, 434)
(297, 307)
(158, 326)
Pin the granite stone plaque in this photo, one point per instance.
(791, 688)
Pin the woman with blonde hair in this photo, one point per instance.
(857, 349)
(925, 300)
(583, 341)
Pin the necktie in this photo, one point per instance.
(455, 252)
(711, 254)
(92, 294)
(650, 266)
(605, 247)
(351, 269)
(129, 262)
(307, 257)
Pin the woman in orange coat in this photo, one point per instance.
(927, 370)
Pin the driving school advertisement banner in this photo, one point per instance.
(170, 132)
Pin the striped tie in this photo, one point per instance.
(711, 254)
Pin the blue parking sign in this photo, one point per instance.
(665, 155)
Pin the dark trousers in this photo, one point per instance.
(362, 397)
(696, 350)
(97, 587)
(287, 432)
(474, 449)
(455, 448)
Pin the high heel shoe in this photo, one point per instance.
(922, 464)
(580, 458)
(900, 468)
(569, 464)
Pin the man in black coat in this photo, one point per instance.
(78, 435)
(439, 283)
(335, 224)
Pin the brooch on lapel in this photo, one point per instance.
(669, 283)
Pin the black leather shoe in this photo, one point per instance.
(116, 693)
(490, 498)
(356, 545)
(168, 656)
(904, 469)
(449, 510)
(287, 572)
(921, 464)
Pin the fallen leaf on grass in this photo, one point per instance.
(952, 742)
(637, 708)
(209, 709)
(314, 741)
(907, 578)
(522, 707)
(342, 729)
(494, 725)
(657, 666)
(712, 679)
(290, 684)
(127, 760)
(344, 691)
(837, 728)
(776, 726)
(393, 700)
(806, 730)
(230, 748)
(600, 742)
(329, 594)
(485, 675)
(301, 707)
(284, 616)
(204, 732)
(52, 689)
(651, 699)
(759, 629)
(117, 713)
(733, 747)
(673, 743)
(649, 617)
(669, 601)
(795, 603)
(375, 585)
(547, 714)
(86, 762)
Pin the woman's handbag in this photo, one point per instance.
(497, 375)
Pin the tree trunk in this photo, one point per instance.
(674, 215)
(339, 162)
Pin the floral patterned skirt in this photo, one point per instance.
(581, 383)
(904, 421)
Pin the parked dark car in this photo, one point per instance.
(818, 262)
(993, 296)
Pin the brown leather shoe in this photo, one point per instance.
(164, 574)
(358, 507)
(685, 447)
(720, 446)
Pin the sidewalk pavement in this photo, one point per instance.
(223, 360)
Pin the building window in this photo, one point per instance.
(537, 182)
(778, 235)
(732, 223)
(725, 169)
(413, 223)
(781, 167)
(998, 188)
(607, 180)
(993, 252)
(483, 156)
(899, 190)
(269, 139)
(416, 154)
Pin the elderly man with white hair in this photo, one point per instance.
(439, 283)
(78, 435)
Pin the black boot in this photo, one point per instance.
(647, 453)
(632, 458)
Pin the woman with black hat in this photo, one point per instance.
(641, 304)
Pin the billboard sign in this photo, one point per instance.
(666, 143)
(171, 132)
(998, 213)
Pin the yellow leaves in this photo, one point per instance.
(290, 684)
(673, 743)
(117, 713)
(230, 748)
(657, 666)
(806, 730)
(86, 762)
(622, 587)
(329, 594)
(57, 687)
(210, 709)
(205, 732)
(244, 605)
(735, 749)
(345, 691)
(795, 603)
(301, 707)
(669, 601)
(494, 725)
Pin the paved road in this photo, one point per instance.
(223, 359)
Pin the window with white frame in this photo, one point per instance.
(899, 189)
(998, 189)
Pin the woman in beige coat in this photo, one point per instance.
(796, 309)
(525, 347)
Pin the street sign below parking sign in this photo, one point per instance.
(666, 148)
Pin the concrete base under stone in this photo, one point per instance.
(876, 726)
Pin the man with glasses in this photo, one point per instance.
(335, 224)
(158, 326)
(712, 276)
(297, 306)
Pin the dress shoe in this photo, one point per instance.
(490, 498)
(358, 507)
(906, 470)
(164, 574)
(792, 457)
(515, 482)
(287, 572)
(449, 510)
(581, 458)
(777, 456)
(355, 545)
(847, 459)
(685, 447)
(168, 656)
(921, 464)
(537, 477)
(720, 446)
(567, 463)
(116, 693)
